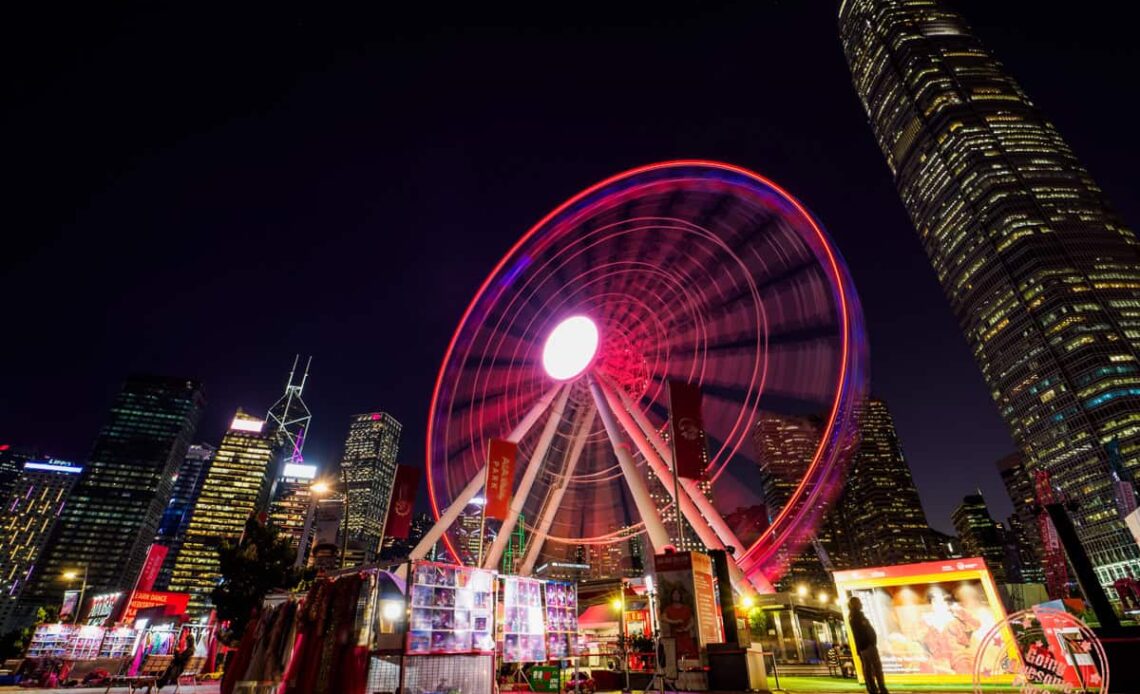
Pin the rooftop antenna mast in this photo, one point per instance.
(290, 416)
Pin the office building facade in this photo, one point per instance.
(31, 509)
(237, 486)
(115, 509)
(980, 535)
(1043, 277)
(368, 470)
(176, 518)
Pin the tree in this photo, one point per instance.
(260, 562)
(15, 642)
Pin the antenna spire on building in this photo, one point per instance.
(289, 416)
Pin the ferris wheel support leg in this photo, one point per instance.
(451, 513)
(658, 538)
(533, 466)
(689, 510)
(554, 501)
(699, 511)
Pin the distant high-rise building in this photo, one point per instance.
(12, 459)
(290, 510)
(1042, 275)
(881, 511)
(29, 515)
(176, 518)
(288, 423)
(115, 509)
(1020, 554)
(981, 535)
(236, 487)
(368, 467)
(1022, 492)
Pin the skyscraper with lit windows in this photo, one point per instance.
(368, 468)
(114, 511)
(237, 486)
(1043, 277)
(981, 535)
(31, 509)
(176, 518)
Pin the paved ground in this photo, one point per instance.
(199, 689)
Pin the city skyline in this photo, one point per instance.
(249, 377)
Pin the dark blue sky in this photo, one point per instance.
(206, 191)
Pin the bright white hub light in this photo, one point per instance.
(570, 348)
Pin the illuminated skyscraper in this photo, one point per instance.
(1042, 275)
(176, 518)
(1022, 492)
(288, 423)
(981, 535)
(237, 486)
(29, 515)
(881, 510)
(114, 511)
(291, 508)
(368, 467)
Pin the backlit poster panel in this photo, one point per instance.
(930, 618)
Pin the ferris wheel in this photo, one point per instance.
(691, 271)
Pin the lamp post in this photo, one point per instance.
(70, 576)
(623, 650)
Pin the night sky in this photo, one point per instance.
(205, 192)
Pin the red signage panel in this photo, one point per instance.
(399, 522)
(152, 566)
(500, 478)
(687, 429)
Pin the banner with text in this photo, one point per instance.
(687, 429)
(500, 478)
(399, 522)
(152, 566)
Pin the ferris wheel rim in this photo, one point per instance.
(838, 277)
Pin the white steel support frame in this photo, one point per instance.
(533, 466)
(554, 498)
(646, 509)
(695, 506)
(451, 513)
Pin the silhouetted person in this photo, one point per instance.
(866, 643)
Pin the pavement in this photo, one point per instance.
(211, 688)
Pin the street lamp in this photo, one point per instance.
(619, 605)
(802, 590)
(824, 597)
(69, 576)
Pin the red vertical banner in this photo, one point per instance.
(151, 567)
(500, 478)
(399, 521)
(687, 430)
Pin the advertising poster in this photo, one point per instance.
(561, 619)
(930, 618)
(103, 608)
(151, 567)
(172, 603)
(687, 429)
(399, 521)
(70, 604)
(452, 610)
(524, 620)
(686, 605)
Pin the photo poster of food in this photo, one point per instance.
(561, 619)
(930, 618)
(524, 620)
(452, 610)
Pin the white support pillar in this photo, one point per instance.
(554, 499)
(533, 466)
(688, 509)
(698, 508)
(452, 512)
(658, 538)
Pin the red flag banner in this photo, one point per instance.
(153, 564)
(500, 478)
(687, 429)
(399, 521)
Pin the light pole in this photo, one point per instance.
(623, 650)
(70, 576)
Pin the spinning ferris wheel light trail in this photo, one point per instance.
(691, 271)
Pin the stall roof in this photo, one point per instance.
(597, 617)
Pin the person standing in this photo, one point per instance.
(866, 644)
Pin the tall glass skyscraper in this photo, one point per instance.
(368, 467)
(1042, 275)
(237, 486)
(114, 511)
(176, 518)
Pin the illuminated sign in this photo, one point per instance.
(243, 423)
(102, 608)
(53, 465)
(300, 471)
(172, 603)
(929, 618)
